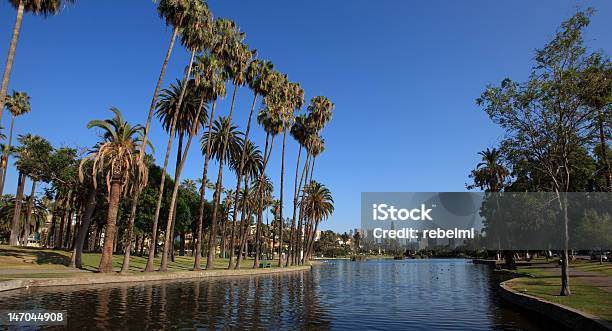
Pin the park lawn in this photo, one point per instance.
(41, 260)
(546, 285)
(593, 266)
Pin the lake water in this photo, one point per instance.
(378, 294)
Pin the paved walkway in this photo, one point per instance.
(39, 271)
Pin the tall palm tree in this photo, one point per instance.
(289, 98)
(318, 205)
(228, 202)
(258, 76)
(225, 146)
(227, 45)
(272, 126)
(251, 163)
(115, 158)
(211, 72)
(319, 114)
(196, 37)
(174, 12)
(299, 131)
(17, 104)
(36, 7)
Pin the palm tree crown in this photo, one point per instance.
(41, 7)
(189, 108)
(222, 129)
(116, 154)
(18, 103)
(318, 203)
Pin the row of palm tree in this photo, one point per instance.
(218, 54)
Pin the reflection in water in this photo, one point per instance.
(428, 294)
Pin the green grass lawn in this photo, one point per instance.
(545, 284)
(593, 266)
(41, 260)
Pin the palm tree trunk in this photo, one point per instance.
(5, 156)
(223, 226)
(243, 221)
(90, 206)
(293, 235)
(280, 226)
(138, 189)
(240, 173)
(26, 232)
(106, 260)
(176, 170)
(216, 196)
(308, 254)
(260, 204)
(298, 239)
(15, 229)
(198, 255)
(149, 266)
(177, 176)
(11, 56)
(68, 226)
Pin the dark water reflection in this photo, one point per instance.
(412, 294)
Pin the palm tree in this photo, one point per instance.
(210, 72)
(490, 175)
(174, 12)
(299, 131)
(228, 201)
(195, 36)
(227, 45)
(284, 98)
(186, 117)
(225, 144)
(318, 205)
(17, 104)
(115, 158)
(36, 7)
(263, 200)
(272, 126)
(251, 163)
(319, 114)
(258, 76)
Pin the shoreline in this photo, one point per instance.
(98, 279)
(569, 317)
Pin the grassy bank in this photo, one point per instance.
(546, 283)
(23, 262)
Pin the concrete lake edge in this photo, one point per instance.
(16, 284)
(567, 316)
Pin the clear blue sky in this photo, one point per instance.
(403, 76)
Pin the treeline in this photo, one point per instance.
(122, 201)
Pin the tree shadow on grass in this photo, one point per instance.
(36, 256)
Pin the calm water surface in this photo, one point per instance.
(342, 295)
